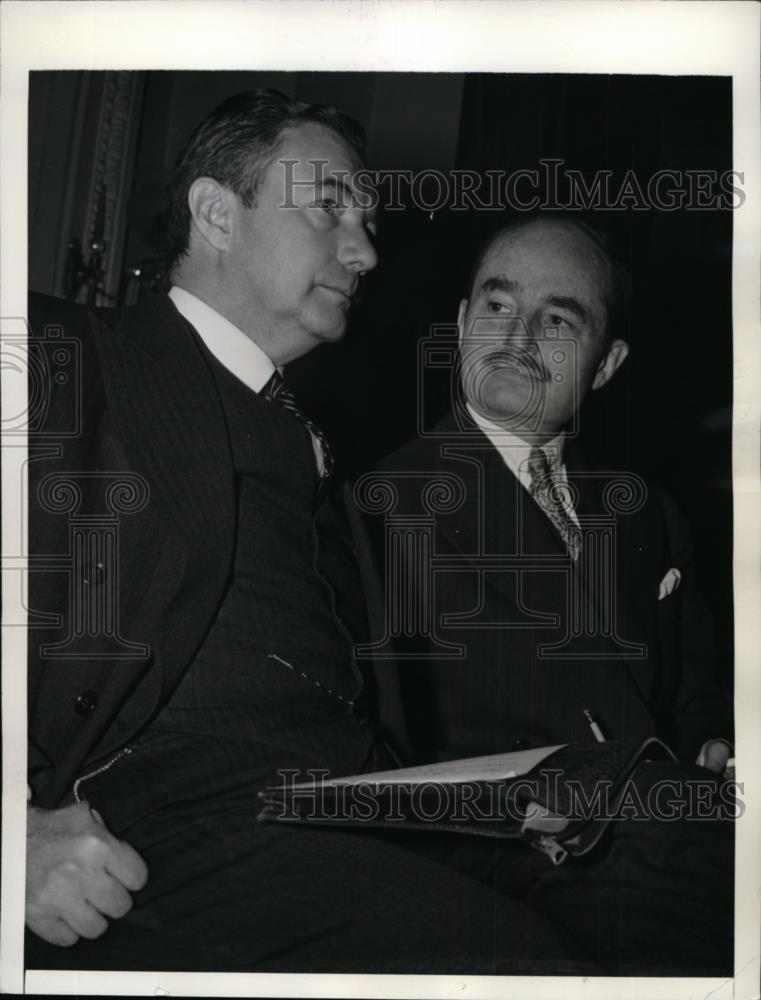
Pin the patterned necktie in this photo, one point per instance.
(276, 391)
(547, 494)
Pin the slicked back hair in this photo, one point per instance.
(235, 144)
(616, 296)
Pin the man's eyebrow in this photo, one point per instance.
(348, 197)
(499, 284)
(571, 304)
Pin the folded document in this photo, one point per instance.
(559, 799)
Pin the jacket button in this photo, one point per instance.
(86, 703)
(520, 743)
(93, 573)
(363, 719)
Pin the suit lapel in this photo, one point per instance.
(164, 402)
(498, 519)
(615, 599)
(498, 515)
(461, 449)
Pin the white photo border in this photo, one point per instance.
(590, 36)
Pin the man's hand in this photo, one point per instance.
(77, 874)
(715, 755)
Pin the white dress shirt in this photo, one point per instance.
(232, 348)
(229, 345)
(515, 454)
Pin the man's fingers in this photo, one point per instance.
(78, 874)
(54, 931)
(717, 753)
(126, 865)
(84, 919)
(110, 897)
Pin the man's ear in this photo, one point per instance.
(461, 319)
(210, 208)
(616, 355)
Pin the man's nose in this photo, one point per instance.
(356, 251)
(517, 328)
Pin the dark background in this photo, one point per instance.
(667, 414)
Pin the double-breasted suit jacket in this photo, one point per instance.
(503, 641)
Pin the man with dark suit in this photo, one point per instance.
(538, 599)
(194, 601)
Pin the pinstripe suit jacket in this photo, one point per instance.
(132, 519)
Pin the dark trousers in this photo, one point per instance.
(654, 897)
(229, 893)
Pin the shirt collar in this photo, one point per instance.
(515, 451)
(229, 345)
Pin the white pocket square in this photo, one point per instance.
(669, 583)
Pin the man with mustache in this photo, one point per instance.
(564, 609)
(179, 670)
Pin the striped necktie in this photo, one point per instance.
(276, 391)
(547, 494)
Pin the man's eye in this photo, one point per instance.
(328, 205)
(498, 307)
(553, 319)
